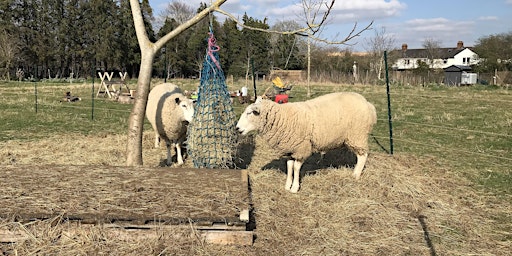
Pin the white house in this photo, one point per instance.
(442, 57)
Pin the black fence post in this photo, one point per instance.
(35, 94)
(92, 93)
(254, 80)
(389, 105)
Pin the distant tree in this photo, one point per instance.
(178, 11)
(433, 48)
(284, 48)
(422, 70)
(130, 54)
(197, 42)
(316, 15)
(256, 47)
(493, 52)
(231, 42)
(9, 48)
(376, 46)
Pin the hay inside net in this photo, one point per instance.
(212, 134)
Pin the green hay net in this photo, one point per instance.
(212, 135)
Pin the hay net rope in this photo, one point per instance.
(212, 134)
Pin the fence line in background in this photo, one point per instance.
(451, 149)
(399, 139)
(456, 129)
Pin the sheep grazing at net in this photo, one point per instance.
(302, 128)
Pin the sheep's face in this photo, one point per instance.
(187, 106)
(249, 119)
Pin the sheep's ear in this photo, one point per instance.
(177, 100)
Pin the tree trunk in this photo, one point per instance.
(136, 121)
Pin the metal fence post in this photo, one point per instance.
(389, 105)
(35, 94)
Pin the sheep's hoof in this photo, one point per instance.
(294, 189)
(288, 186)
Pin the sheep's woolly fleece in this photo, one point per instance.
(303, 128)
(165, 116)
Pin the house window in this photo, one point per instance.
(465, 60)
(407, 61)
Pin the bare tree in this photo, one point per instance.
(315, 15)
(149, 49)
(9, 48)
(433, 49)
(376, 46)
(179, 11)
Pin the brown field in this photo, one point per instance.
(420, 201)
(403, 205)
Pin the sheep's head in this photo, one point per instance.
(187, 106)
(249, 119)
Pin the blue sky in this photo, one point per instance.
(407, 21)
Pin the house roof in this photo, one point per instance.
(457, 68)
(440, 53)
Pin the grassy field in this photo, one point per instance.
(452, 162)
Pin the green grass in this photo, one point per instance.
(468, 129)
(24, 119)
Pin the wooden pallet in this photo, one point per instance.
(130, 200)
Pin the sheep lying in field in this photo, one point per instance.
(169, 112)
(302, 128)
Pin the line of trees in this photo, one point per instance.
(55, 38)
(76, 38)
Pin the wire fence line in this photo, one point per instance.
(451, 149)
(45, 100)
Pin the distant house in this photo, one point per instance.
(442, 57)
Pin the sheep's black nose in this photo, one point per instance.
(238, 129)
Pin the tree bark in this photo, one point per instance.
(136, 121)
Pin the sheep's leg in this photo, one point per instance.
(178, 153)
(157, 140)
(296, 176)
(169, 156)
(361, 161)
(289, 177)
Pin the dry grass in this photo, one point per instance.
(398, 202)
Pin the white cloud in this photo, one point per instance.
(448, 32)
(488, 18)
(436, 25)
(347, 11)
(354, 10)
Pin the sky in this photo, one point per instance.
(408, 22)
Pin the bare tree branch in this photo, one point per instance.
(309, 31)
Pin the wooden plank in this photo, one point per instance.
(228, 238)
(103, 194)
(132, 201)
(222, 237)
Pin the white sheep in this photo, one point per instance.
(317, 125)
(169, 112)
